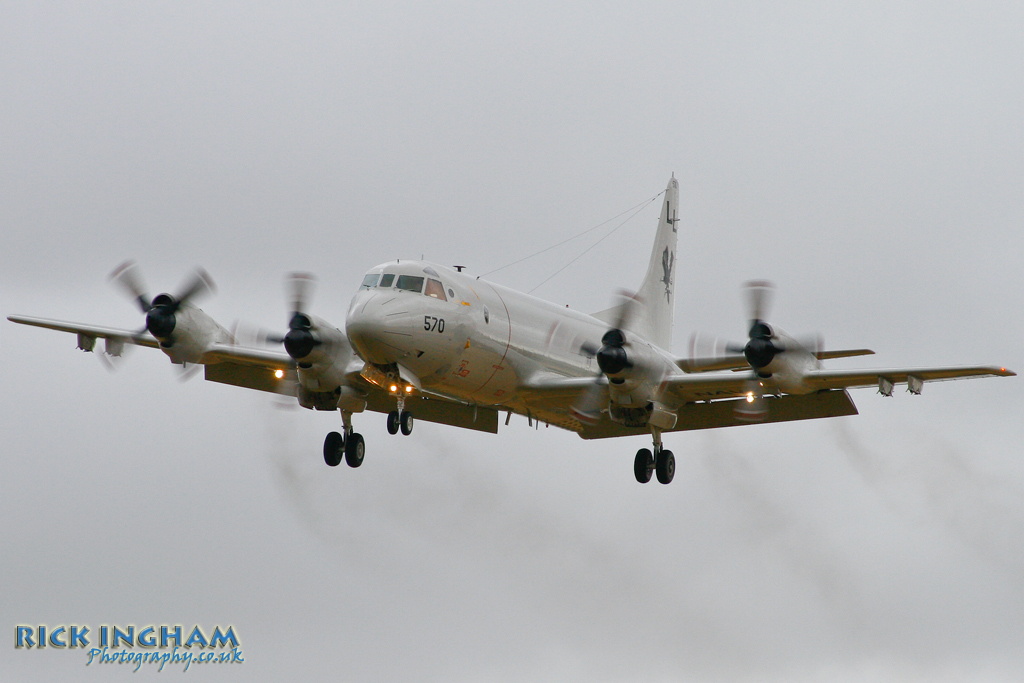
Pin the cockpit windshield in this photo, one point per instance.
(435, 289)
(410, 283)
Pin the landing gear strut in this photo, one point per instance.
(661, 461)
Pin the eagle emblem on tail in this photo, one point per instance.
(668, 260)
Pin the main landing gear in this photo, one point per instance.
(349, 445)
(337, 446)
(661, 461)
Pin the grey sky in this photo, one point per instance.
(867, 158)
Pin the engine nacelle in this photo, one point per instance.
(324, 367)
(192, 334)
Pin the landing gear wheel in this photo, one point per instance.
(406, 422)
(643, 465)
(666, 466)
(334, 447)
(355, 449)
(393, 421)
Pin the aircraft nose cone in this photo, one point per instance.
(365, 326)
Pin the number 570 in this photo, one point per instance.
(432, 324)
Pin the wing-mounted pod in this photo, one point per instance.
(185, 333)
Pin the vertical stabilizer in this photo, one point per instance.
(658, 291)
(653, 319)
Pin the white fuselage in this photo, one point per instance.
(481, 342)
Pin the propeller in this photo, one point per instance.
(611, 358)
(759, 350)
(299, 341)
(160, 312)
(762, 347)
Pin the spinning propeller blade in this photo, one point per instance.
(611, 355)
(299, 341)
(160, 312)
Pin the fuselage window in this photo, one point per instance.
(410, 283)
(451, 293)
(387, 280)
(370, 281)
(435, 289)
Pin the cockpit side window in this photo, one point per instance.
(435, 289)
(387, 280)
(410, 283)
(370, 281)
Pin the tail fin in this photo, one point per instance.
(658, 289)
(653, 318)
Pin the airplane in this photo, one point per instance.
(427, 342)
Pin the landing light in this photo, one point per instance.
(279, 373)
(394, 388)
(750, 397)
(408, 389)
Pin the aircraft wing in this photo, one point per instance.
(230, 353)
(88, 334)
(687, 388)
(218, 353)
(739, 362)
(836, 379)
(550, 397)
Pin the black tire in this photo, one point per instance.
(666, 467)
(334, 447)
(405, 419)
(355, 449)
(393, 422)
(643, 465)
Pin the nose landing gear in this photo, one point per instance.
(400, 420)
